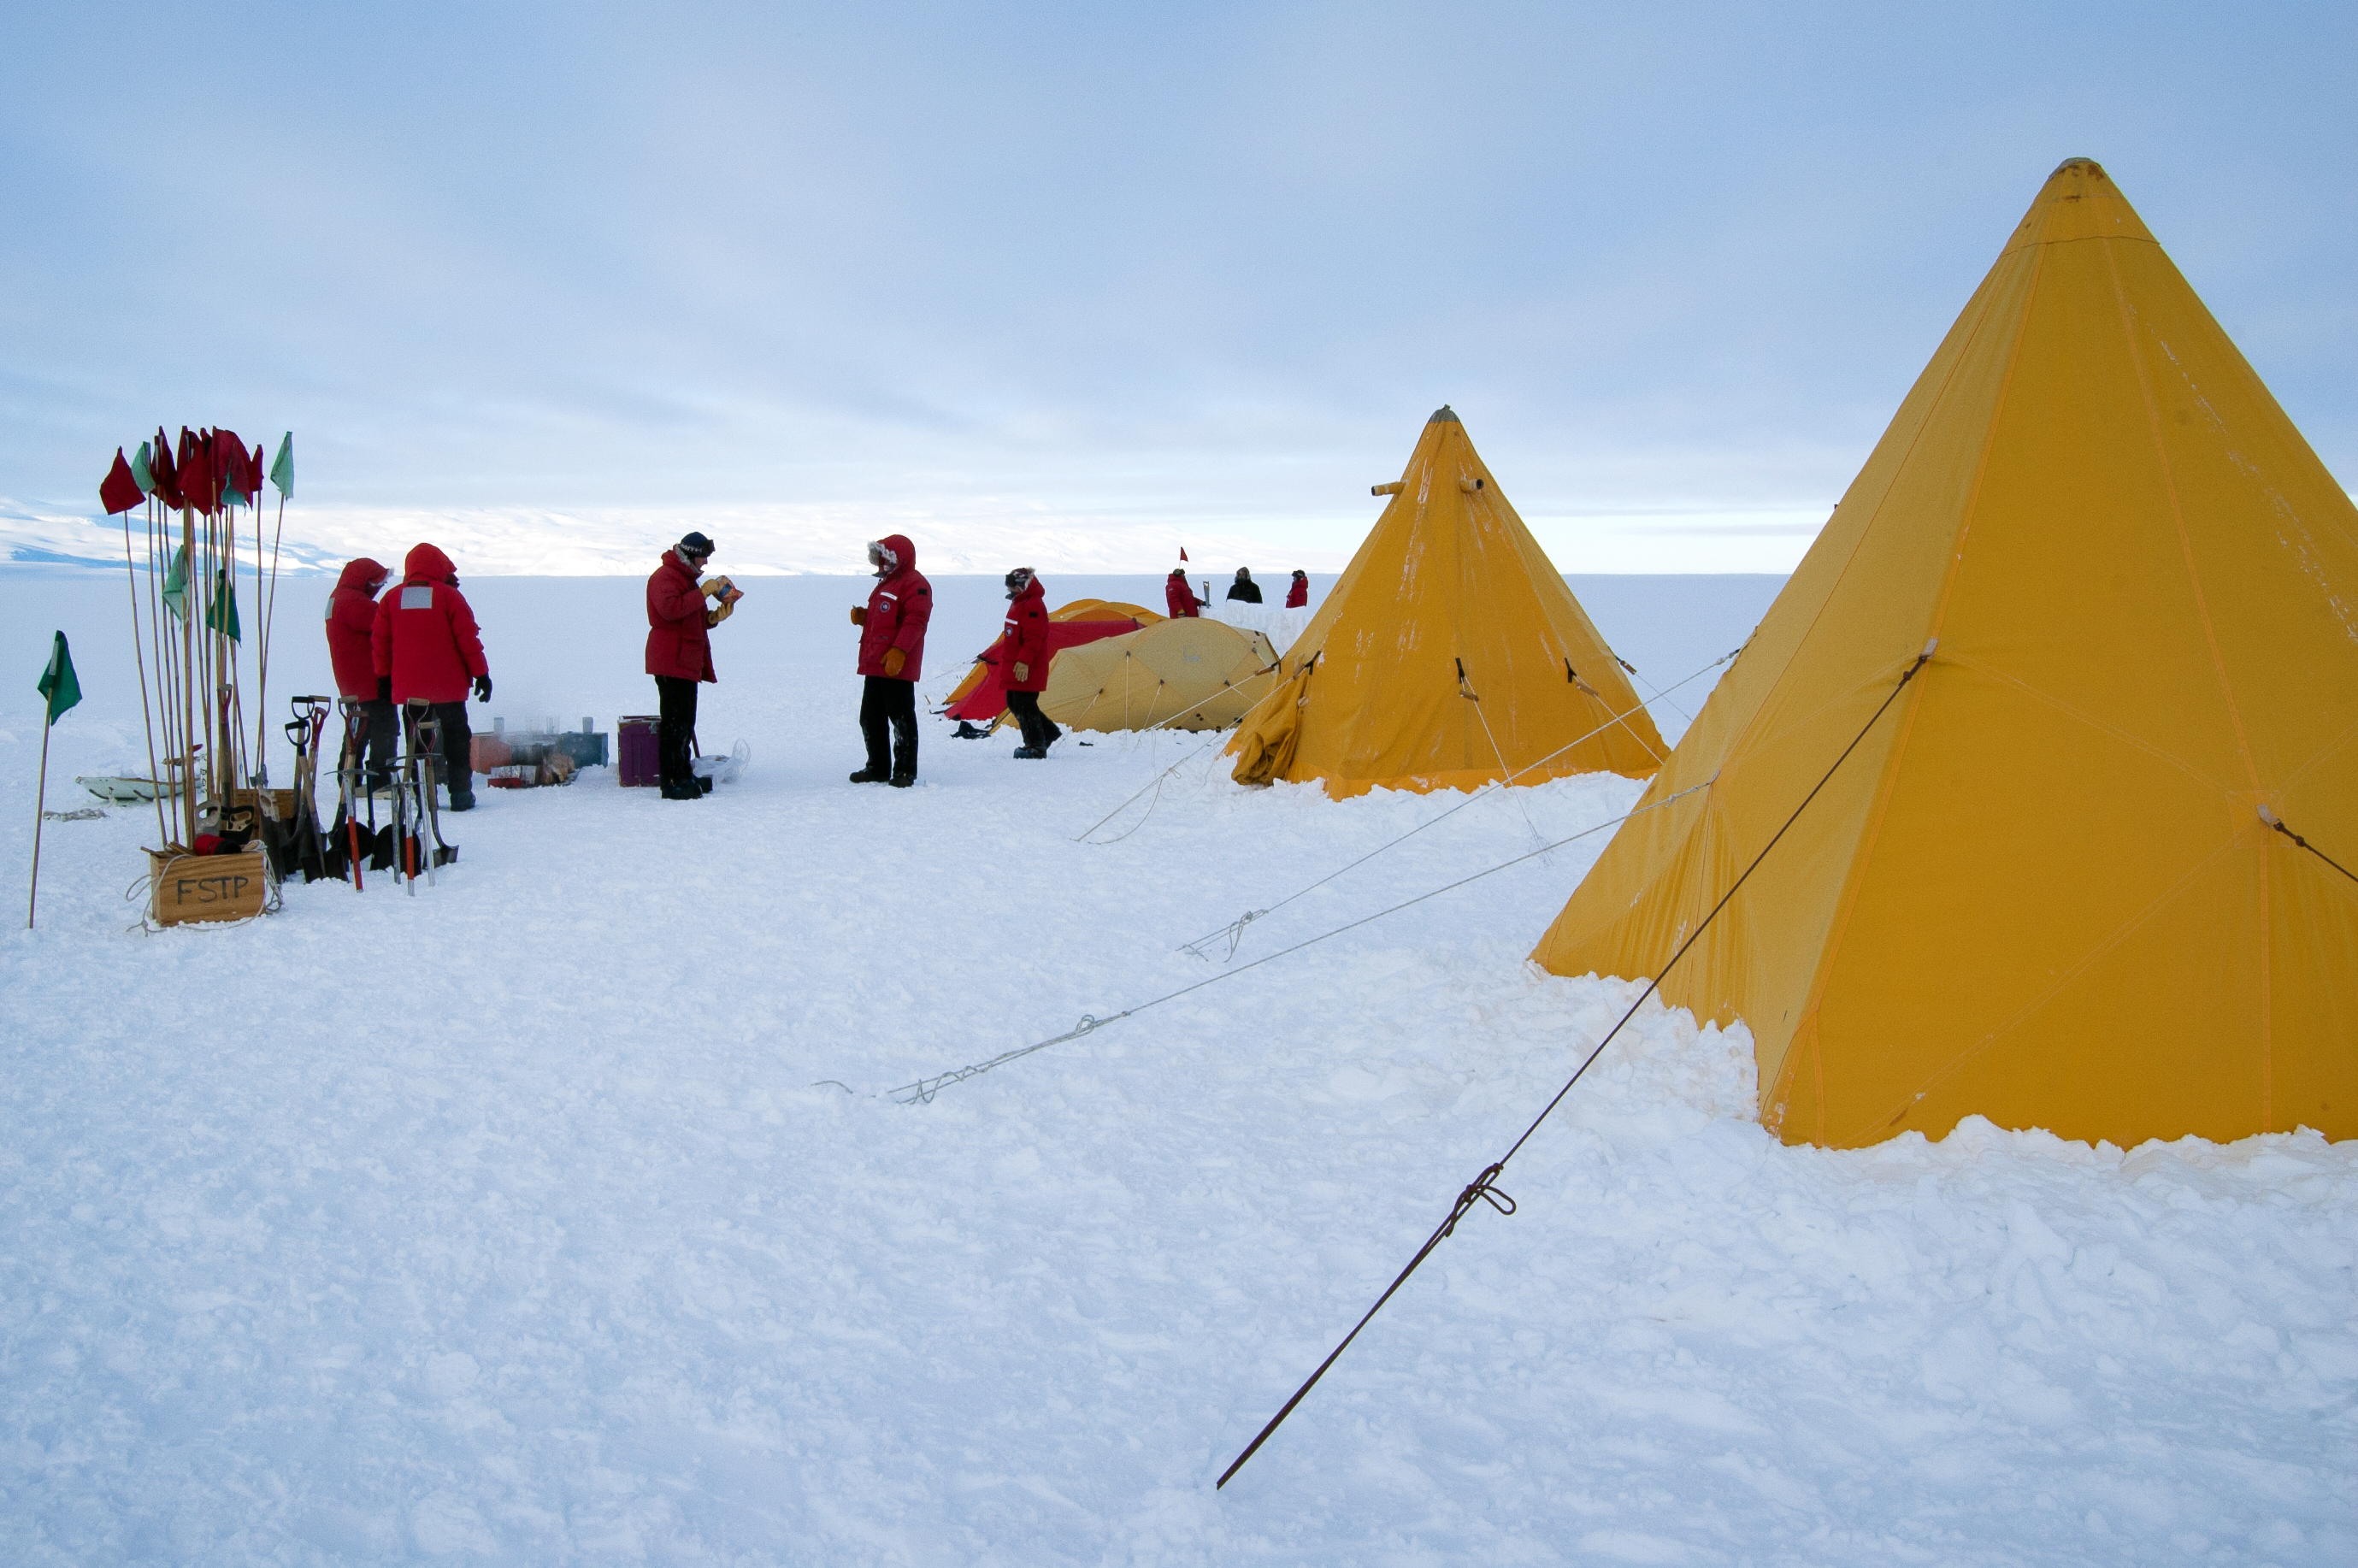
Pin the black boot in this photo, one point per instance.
(870, 776)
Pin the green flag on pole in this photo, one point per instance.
(142, 472)
(222, 615)
(282, 466)
(57, 685)
(176, 584)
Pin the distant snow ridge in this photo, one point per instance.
(515, 541)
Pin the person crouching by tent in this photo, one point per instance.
(352, 623)
(1179, 596)
(1026, 652)
(892, 657)
(679, 655)
(1244, 589)
(425, 639)
(1297, 593)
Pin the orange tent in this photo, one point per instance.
(1450, 653)
(2048, 887)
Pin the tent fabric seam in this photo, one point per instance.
(1888, 782)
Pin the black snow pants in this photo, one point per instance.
(458, 772)
(674, 728)
(380, 743)
(887, 720)
(1040, 731)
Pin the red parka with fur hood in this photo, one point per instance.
(679, 642)
(352, 620)
(424, 636)
(1025, 639)
(898, 608)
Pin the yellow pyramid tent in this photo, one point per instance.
(1450, 653)
(1185, 674)
(2042, 890)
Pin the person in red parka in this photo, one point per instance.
(1023, 655)
(1297, 593)
(892, 657)
(1179, 596)
(352, 620)
(679, 655)
(425, 638)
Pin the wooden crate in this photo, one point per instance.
(277, 804)
(188, 888)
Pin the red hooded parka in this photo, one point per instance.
(898, 608)
(1298, 595)
(1180, 596)
(424, 636)
(1025, 639)
(678, 642)
(352, 620)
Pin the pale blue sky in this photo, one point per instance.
(1196, 268)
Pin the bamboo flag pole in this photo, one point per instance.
(40, 804)
(282, 479)
(188, 612)
(139, 656)
(260, 661)
(57, 681)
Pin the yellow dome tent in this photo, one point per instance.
(1186, 674)
(1450, 653)
(2046, 887)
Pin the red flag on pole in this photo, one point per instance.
(119, 491)
(1183, 552)
(199, 484)
(229, 464)
(166, 474)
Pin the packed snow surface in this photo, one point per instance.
(558, 1214)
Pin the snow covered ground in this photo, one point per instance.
(555, 1215)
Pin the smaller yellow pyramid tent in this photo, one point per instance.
(1186, 674)
(1450, 653)
(2047, 886)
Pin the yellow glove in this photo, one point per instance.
(715, 617)
(894, 660)
(859, 616)
(721, 589)
(1022, 672)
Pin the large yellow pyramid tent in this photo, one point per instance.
(1449, 653)
(2043, 888)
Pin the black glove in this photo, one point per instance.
(483, 688)
(385, 688)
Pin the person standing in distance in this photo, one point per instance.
(1179, 596)
(1026, 652)
(1244, 590)
(351, 623)
(892, 657)
(1297, 596)
(679, 655)
(426, 639)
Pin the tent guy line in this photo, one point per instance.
(922, 1091)
(2273, 820)
(1235, 929)
(1482, 1189)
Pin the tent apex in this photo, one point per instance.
(1443, 415)
(2088, 164)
